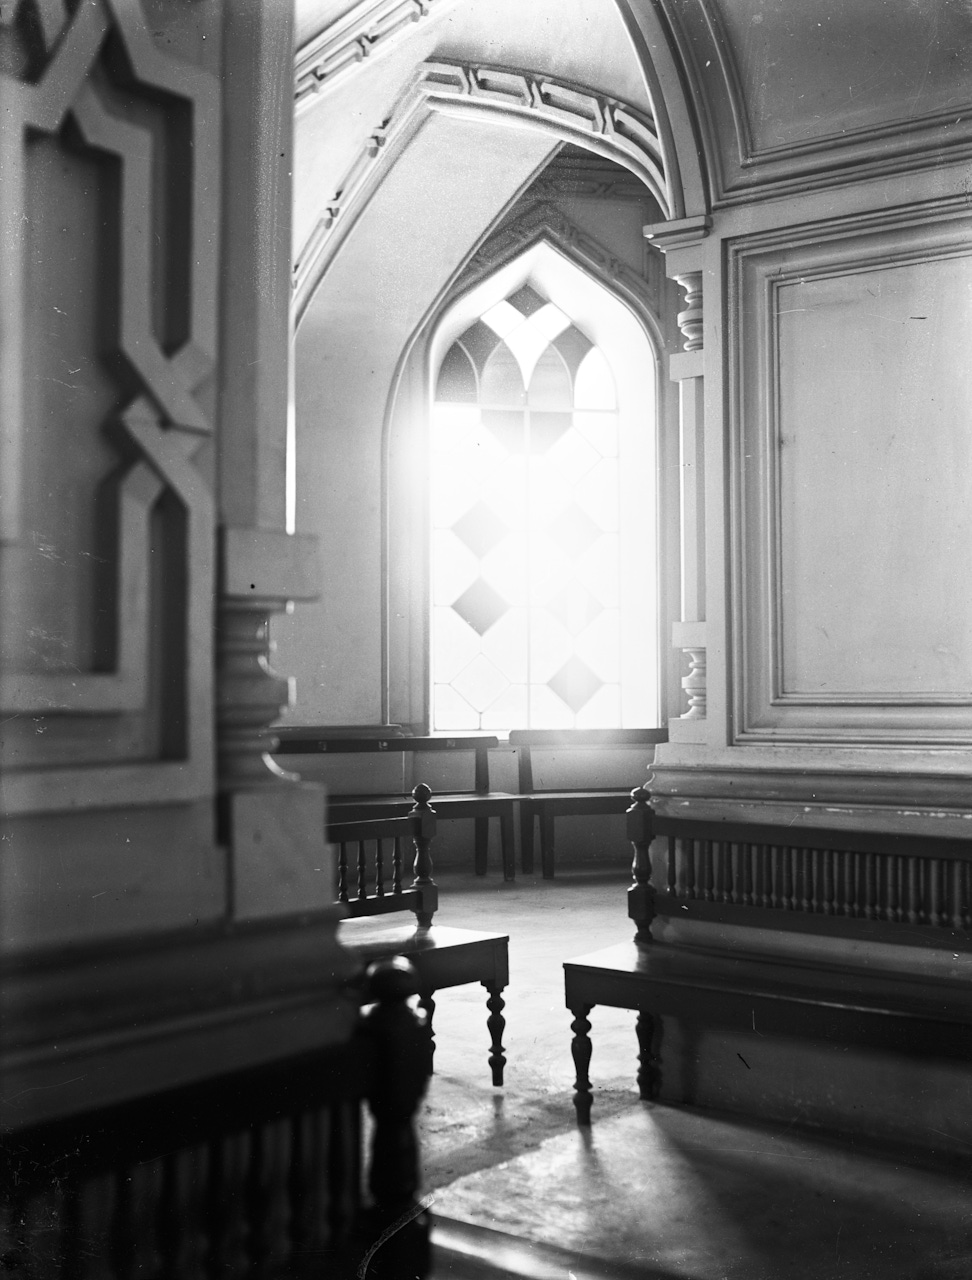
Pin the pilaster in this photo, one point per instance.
(682, 243)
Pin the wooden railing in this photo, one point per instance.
(253, 1175)
(887, 878)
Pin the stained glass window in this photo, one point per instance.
(526, 514)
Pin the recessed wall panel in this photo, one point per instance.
(851, 448)
(875, 479)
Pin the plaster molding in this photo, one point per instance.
(544, 221)
(517, 99)
(742, 171)
(368, 30)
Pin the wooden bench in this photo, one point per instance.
(772, 887)
(478, 803)
(372, 873)
(546, 805)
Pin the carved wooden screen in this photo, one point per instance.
(109, 216)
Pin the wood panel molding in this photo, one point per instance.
(568, 112)
(165, 421)
(768, 708)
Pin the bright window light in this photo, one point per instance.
(534, 508)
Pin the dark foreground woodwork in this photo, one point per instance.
(252, 1174)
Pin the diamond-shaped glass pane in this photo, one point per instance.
(454, 643)
(454, 567)
(576, 608)
(550, 645)
(508, 426)
(505, 644)
(600, 429)
(600, 645)
(574, 530)
(450, 711)
(480, 683)
(599, 494)
(570, 459)
(603, 711)
(575, 683)
(481, 606)
(526, 300)
(480, 529)
(509, 711)
(546, 429)
(547, 711)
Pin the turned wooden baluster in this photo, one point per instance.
(424, 831)
(268, 1197)
(362, 866)
(182, 1235)
(229, 1240)
(397, 860)
(641, 894)
(403, 1064)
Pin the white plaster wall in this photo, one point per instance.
(450, 184)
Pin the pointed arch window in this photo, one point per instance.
(529, 627)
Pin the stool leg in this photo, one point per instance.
(580, 1047)
(482, 845)
(497, 1025)
(526, 837)
(506, 845)
(428, 1004)
(648, 1030)
(547, 845)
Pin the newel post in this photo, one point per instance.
(641, 894)
(423, 830)
(398, 1235)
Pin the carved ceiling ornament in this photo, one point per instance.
(608, 127)
(369, 29)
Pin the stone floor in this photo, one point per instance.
(669, 1192)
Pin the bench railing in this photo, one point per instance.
(374, 885)
(885, 878)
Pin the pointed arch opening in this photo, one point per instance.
(542, 505)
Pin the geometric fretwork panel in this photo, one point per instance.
(525, 511)
(110, 212)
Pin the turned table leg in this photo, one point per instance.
(496, 1024)
(428, 1005)
(580, 1047)
(649, 1064)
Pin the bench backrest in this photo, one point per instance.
(854, 883)
(524, 740)
(324, 741)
